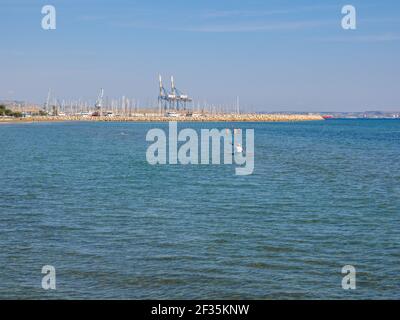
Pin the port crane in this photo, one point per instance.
(175, 99)
(162, 96)
(179, 99)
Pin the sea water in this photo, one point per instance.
(80, 196)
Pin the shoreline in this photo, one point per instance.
(156, 118)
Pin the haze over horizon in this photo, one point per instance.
(275, 55)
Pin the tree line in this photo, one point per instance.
(7, 112)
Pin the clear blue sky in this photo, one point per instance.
(275, 55)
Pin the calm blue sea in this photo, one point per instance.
(81, 197)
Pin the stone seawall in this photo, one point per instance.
(156, 118)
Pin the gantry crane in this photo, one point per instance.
(172, 100)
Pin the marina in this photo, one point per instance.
(172, 105)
